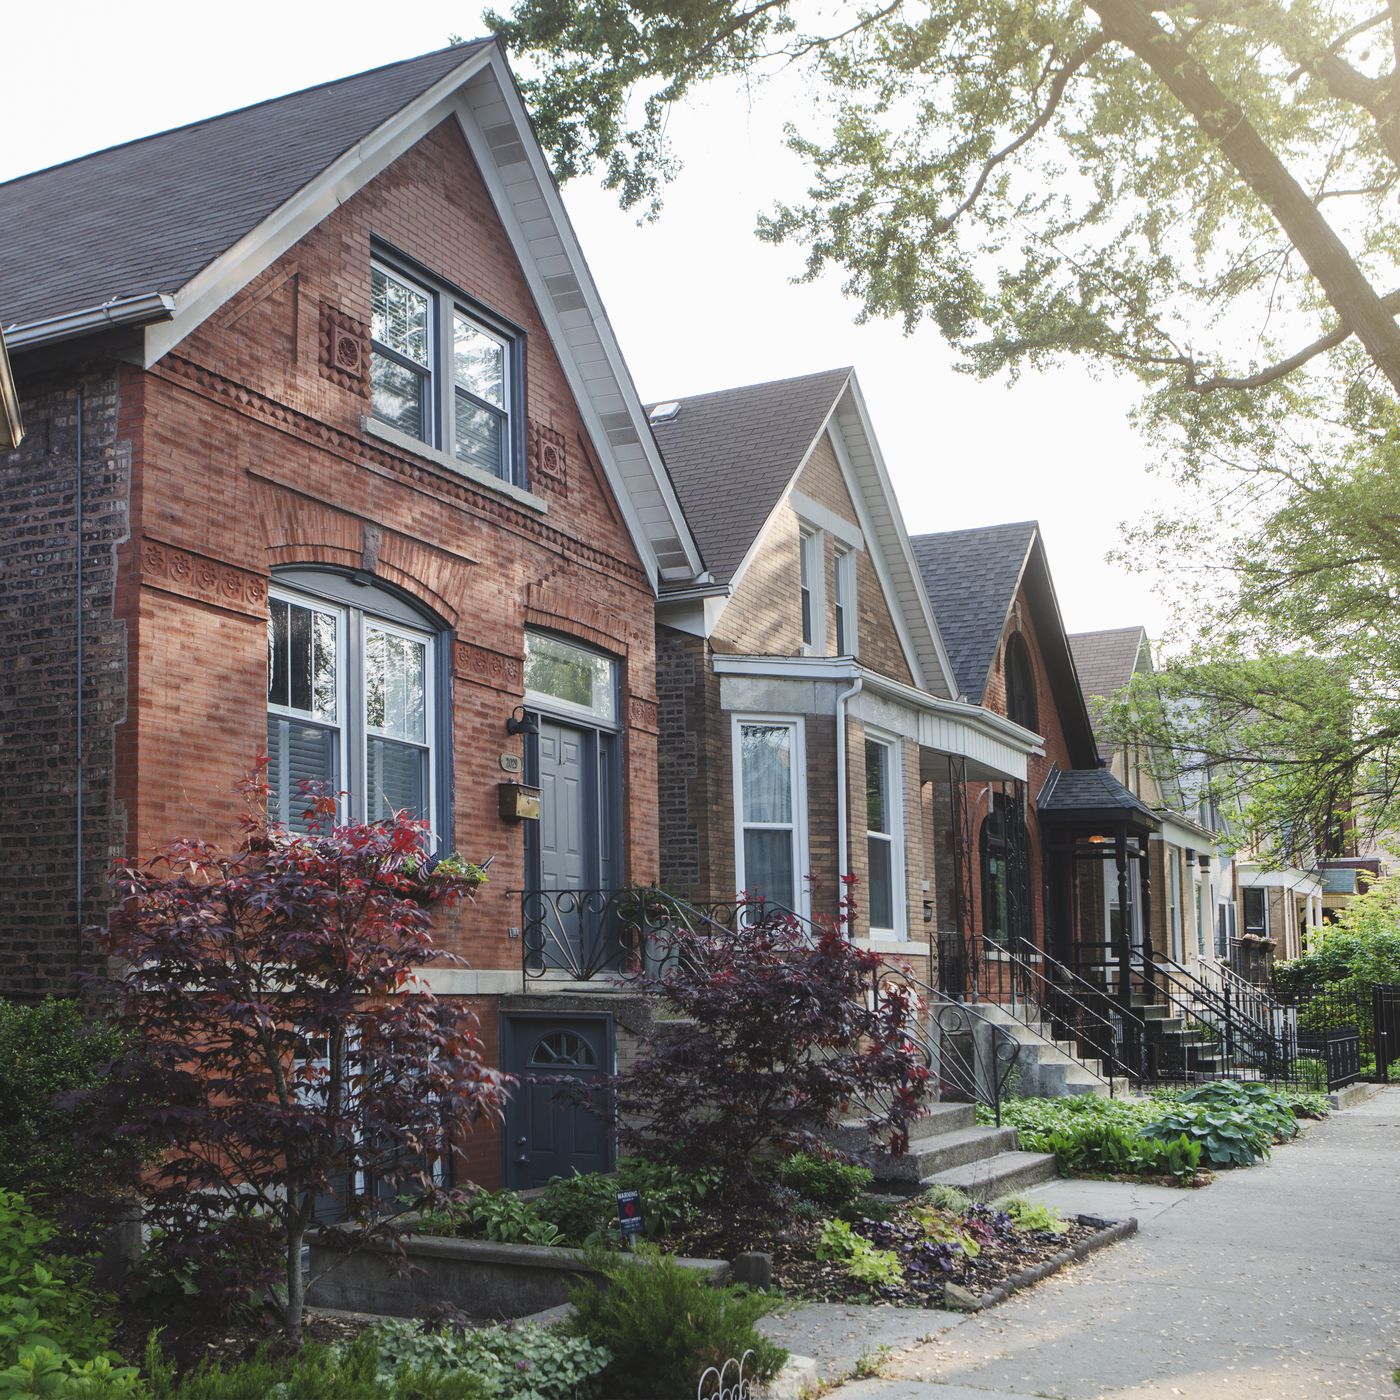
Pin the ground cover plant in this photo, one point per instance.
(1233, 1124)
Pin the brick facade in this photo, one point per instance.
(238, 453)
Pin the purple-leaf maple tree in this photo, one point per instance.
(772, 1035)
(287, 1051)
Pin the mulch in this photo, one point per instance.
(796, 1269)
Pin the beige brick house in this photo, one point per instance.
(807, 706)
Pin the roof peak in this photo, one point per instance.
(842, 370)
(466, 47)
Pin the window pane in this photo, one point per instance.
(480, 437)
(296, 752)
(766, 766)
(397, 775)
(877, 814)
(400, 316)
(480, 362)
(881, 888)
(841, 648)
(768, 866)
(997, 915)
(397, 396)
(301, 659)
(396, 684)
(560, 671)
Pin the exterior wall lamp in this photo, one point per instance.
(522, 723)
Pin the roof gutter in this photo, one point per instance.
(118, 311)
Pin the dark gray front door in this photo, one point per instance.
(568, 808)
(551, 1131)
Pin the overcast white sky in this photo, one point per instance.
(697, 301)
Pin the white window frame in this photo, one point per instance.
(845, 600)
(444, 307)
(894, 797)
(1175, 923)
(800, 870)
(350, 699)
(811, 582)
(1110, 890)
(553, 704)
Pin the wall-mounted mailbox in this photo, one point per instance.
(520, 802)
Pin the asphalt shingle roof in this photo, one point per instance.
(971, 577)
(1106, 660)
(732, 453)
(148, 215)
(1091, 790)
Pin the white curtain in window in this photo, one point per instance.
(767, 773)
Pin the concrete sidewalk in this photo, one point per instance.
(1277, 1283)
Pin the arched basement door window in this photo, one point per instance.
(563, 1050)
(352, 699)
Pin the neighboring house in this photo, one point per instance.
(807, 703)
(1192, 865)
(11, 424)
(1048, 866)
(333, 454)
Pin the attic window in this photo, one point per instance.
(1020, 683)
(664, 412)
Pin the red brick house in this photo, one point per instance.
(332, 452)
(809, 710)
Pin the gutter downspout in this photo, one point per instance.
(842, 860)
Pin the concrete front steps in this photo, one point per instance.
(947, 1147)
(1049, 1068)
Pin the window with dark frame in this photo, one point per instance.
(1020, 684)
(844, 604)
(1004, 885)
(806, 549)
(1256, 911)
(446, 373)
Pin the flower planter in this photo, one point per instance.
(485, 1279)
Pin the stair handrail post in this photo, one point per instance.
(1125, 956)
(1229, 1025)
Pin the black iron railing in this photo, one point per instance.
(1046, 992)
(580, 935)
(969, 1058)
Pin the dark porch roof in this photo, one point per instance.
(1092, 797)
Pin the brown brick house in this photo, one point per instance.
(11, 424)
(332, 453)
(1039, 862)
(807, 702)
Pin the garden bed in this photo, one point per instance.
(1012, 1260)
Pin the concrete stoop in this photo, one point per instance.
(949, 1147)
(1049, 1068)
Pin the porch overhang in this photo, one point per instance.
(1092, 800)
(987, 747)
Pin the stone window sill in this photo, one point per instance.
(374, 428)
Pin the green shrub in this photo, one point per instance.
(863, 1261)
(1107, 1147)
(45, 1301)
(662, 1325)
(494, 1215)
(510, 1362)
(46, 1050)
(318, 1373)
(41, 1370)
(583, 1206)
(1036, 1119)
(828, 1183)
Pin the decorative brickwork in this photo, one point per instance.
(344, 349)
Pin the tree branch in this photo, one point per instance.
(1132, 25)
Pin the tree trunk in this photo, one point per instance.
(296, 1283)
(1132, 24)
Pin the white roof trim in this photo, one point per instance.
(481, 93)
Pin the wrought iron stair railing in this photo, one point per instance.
(1076, 1011)
(969, 1057)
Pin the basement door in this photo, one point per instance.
(557, 1119)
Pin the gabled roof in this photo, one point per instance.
(733, 453)
(972, 577)
(147, 215)
(1106, 661)
(736, 454)
(161, 232)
